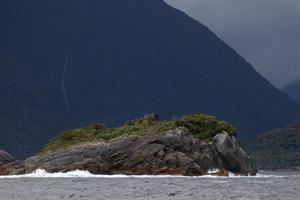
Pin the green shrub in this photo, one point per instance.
(203, 127)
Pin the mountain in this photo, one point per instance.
(277, 149)
(293, 90)
(26, 119)
(114, 60)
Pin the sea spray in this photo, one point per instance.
(41, 173)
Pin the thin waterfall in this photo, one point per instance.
(63, 88)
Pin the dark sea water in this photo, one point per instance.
(81, 185)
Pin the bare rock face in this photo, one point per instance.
(5, 157)
(234, 157)
(175, 152)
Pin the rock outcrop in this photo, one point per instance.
(5, 157)
(173, 152)
(5, 160)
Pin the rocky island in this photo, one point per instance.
(193, 145)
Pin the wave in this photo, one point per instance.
(40, 173)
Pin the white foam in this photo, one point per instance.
(258, 175)
(40, 173)
(213, 171)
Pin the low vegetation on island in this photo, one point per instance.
(202, 126)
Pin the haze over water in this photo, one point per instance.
(83, 186)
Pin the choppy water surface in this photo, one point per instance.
(82, 185)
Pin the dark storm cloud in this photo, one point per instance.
(265, 32)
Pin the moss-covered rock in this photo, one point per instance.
(201, 126)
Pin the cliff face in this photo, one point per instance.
(175, 152)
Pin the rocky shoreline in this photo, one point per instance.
(174, 152)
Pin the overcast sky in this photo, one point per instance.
(265, 32)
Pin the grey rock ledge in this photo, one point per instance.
(175, 152)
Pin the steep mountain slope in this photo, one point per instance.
(118, 59)
(26, 120)
(278, 148)
(293, 90)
